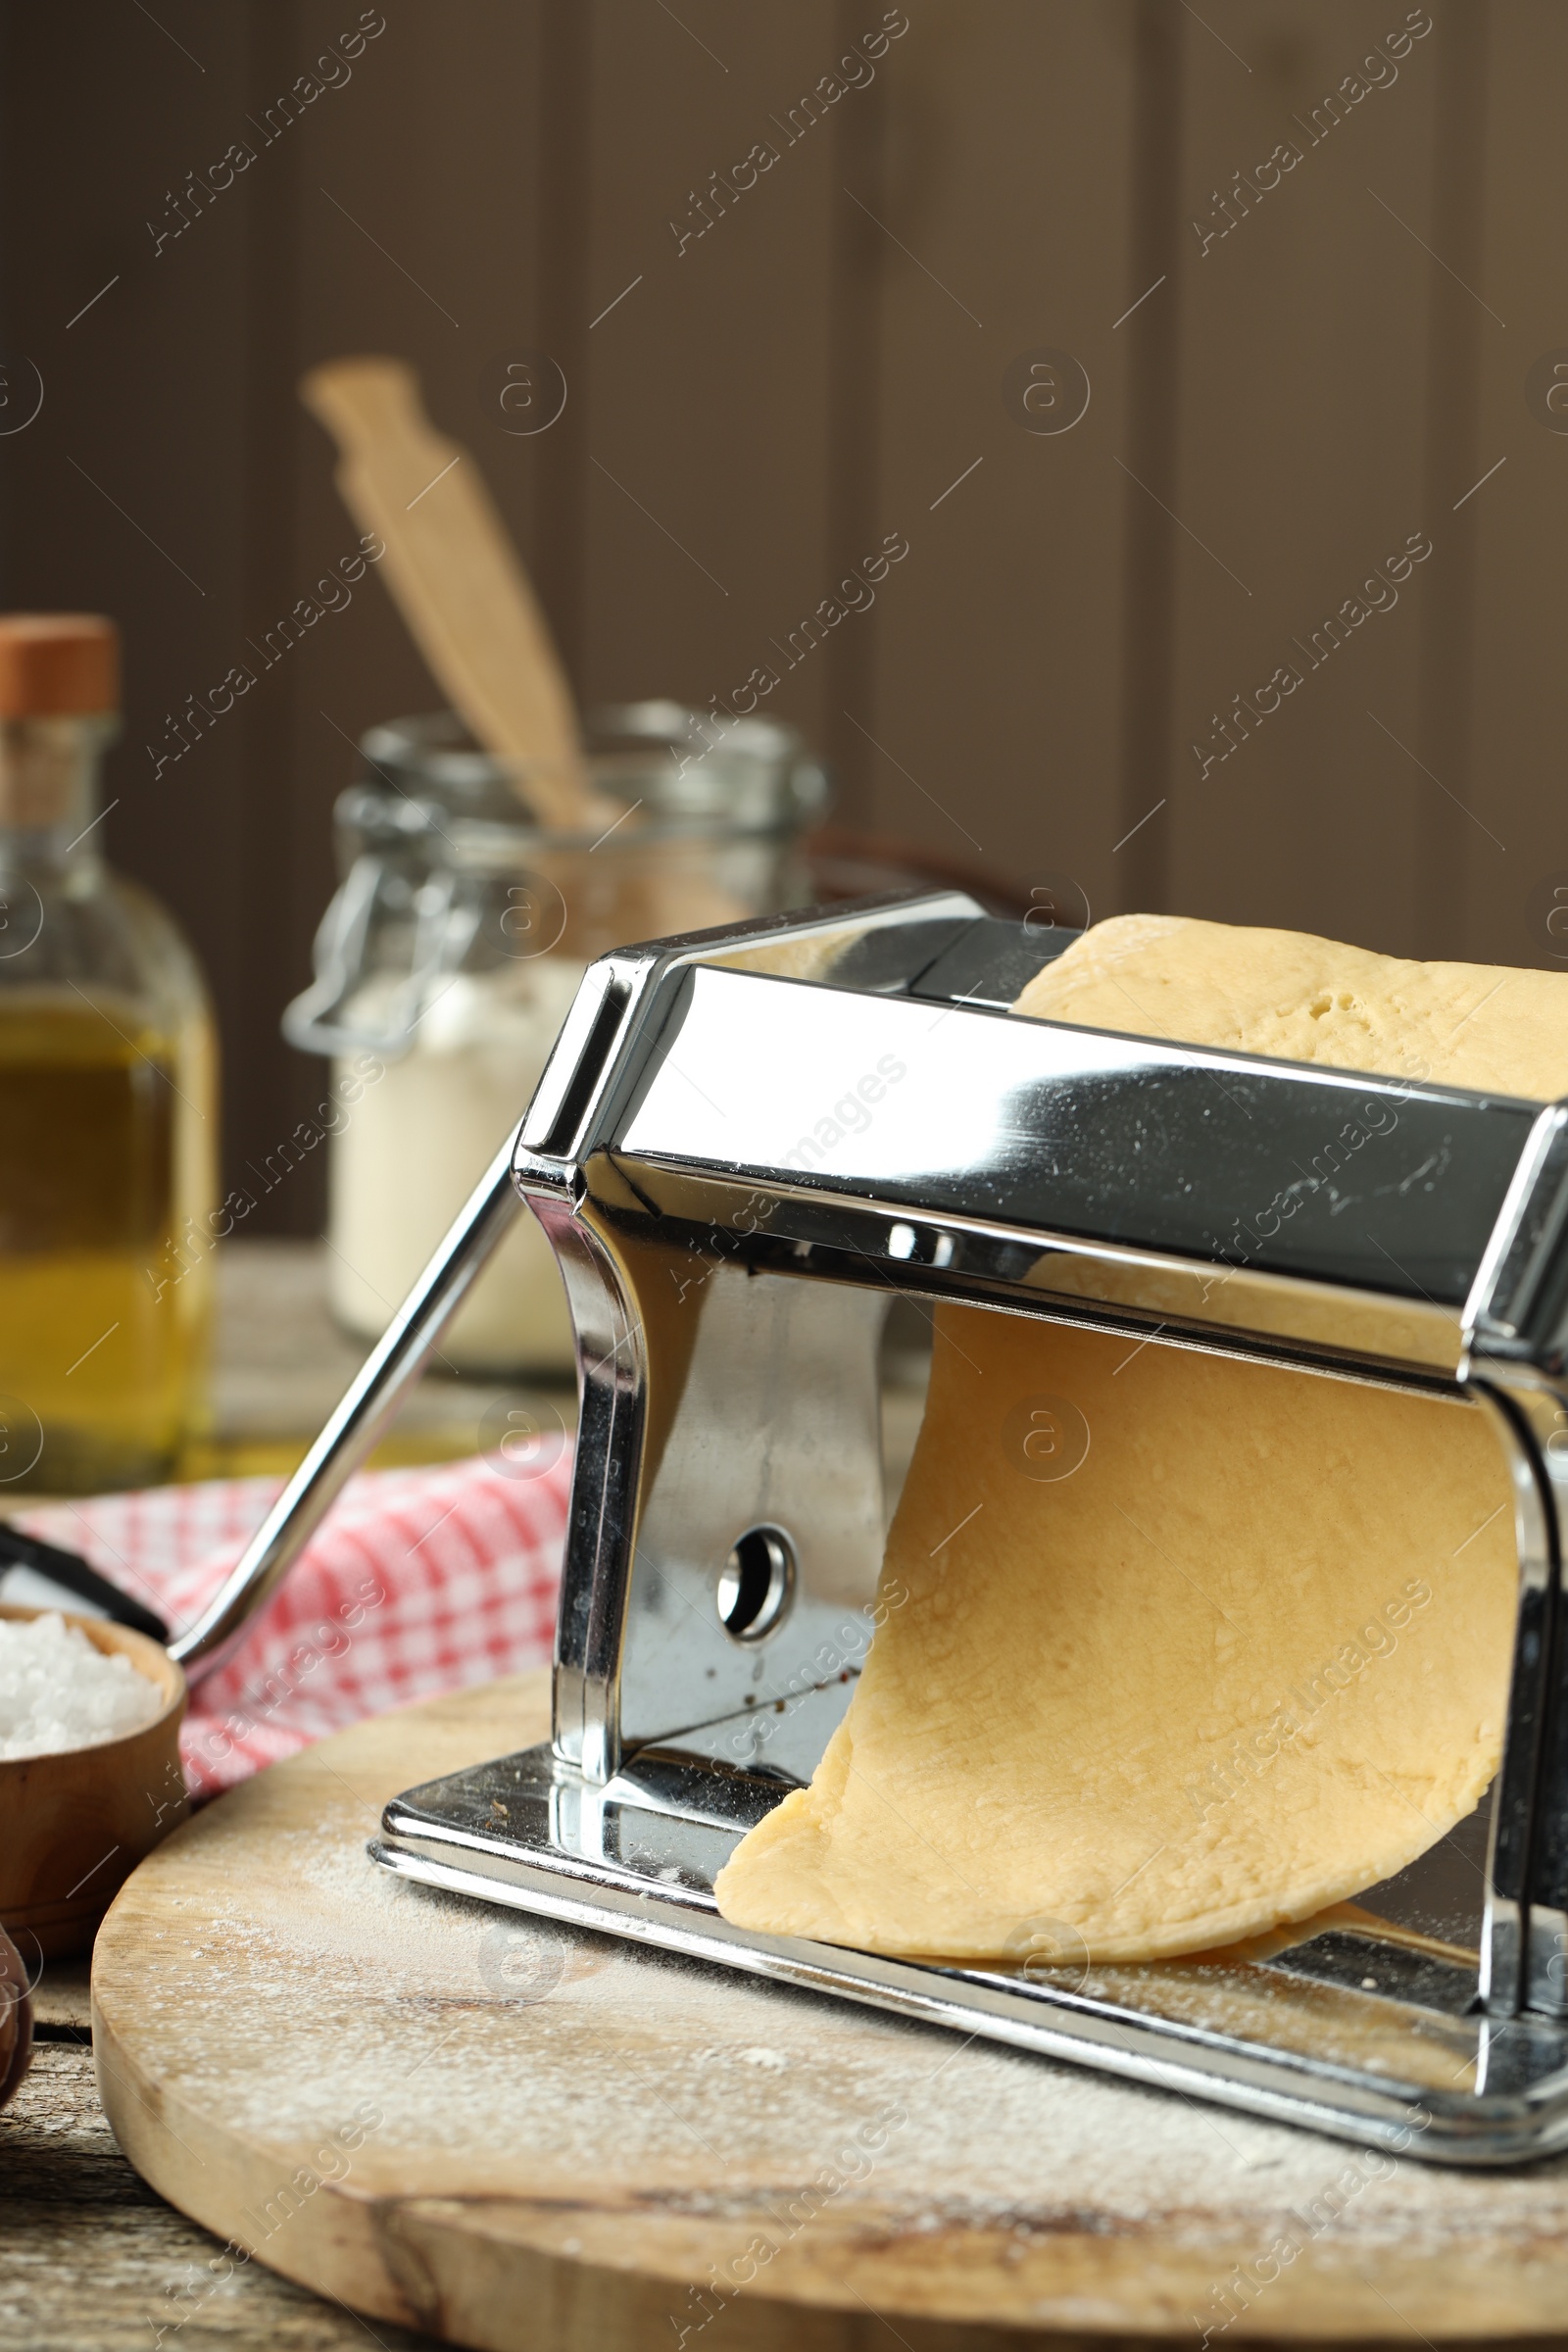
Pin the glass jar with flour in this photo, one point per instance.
(450, 955)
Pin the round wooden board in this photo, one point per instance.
(511, 2133)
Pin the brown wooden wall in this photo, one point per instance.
(836, 357)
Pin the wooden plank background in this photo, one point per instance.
(835, 357)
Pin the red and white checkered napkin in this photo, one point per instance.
(418, 1582)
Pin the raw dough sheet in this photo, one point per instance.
(1174, 1648)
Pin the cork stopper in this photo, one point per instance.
(58, 664)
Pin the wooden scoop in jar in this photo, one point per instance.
(461, 586)
(457, 581)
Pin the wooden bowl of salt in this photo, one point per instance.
(81, 1814)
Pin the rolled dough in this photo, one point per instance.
(1249, 1653)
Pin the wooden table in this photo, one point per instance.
(90, 2256)
(281, 1364)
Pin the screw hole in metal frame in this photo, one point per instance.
(756, 1583)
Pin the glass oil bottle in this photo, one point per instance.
(107, 1104)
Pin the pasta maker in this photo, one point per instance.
(746, 1144)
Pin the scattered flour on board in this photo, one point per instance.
(500, 2046)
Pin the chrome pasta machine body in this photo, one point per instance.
(746, 1145)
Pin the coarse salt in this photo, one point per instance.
(58, 1690)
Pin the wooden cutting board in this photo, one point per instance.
(510, 2134)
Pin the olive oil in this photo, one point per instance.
(100, 1352)
(107, 1104)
